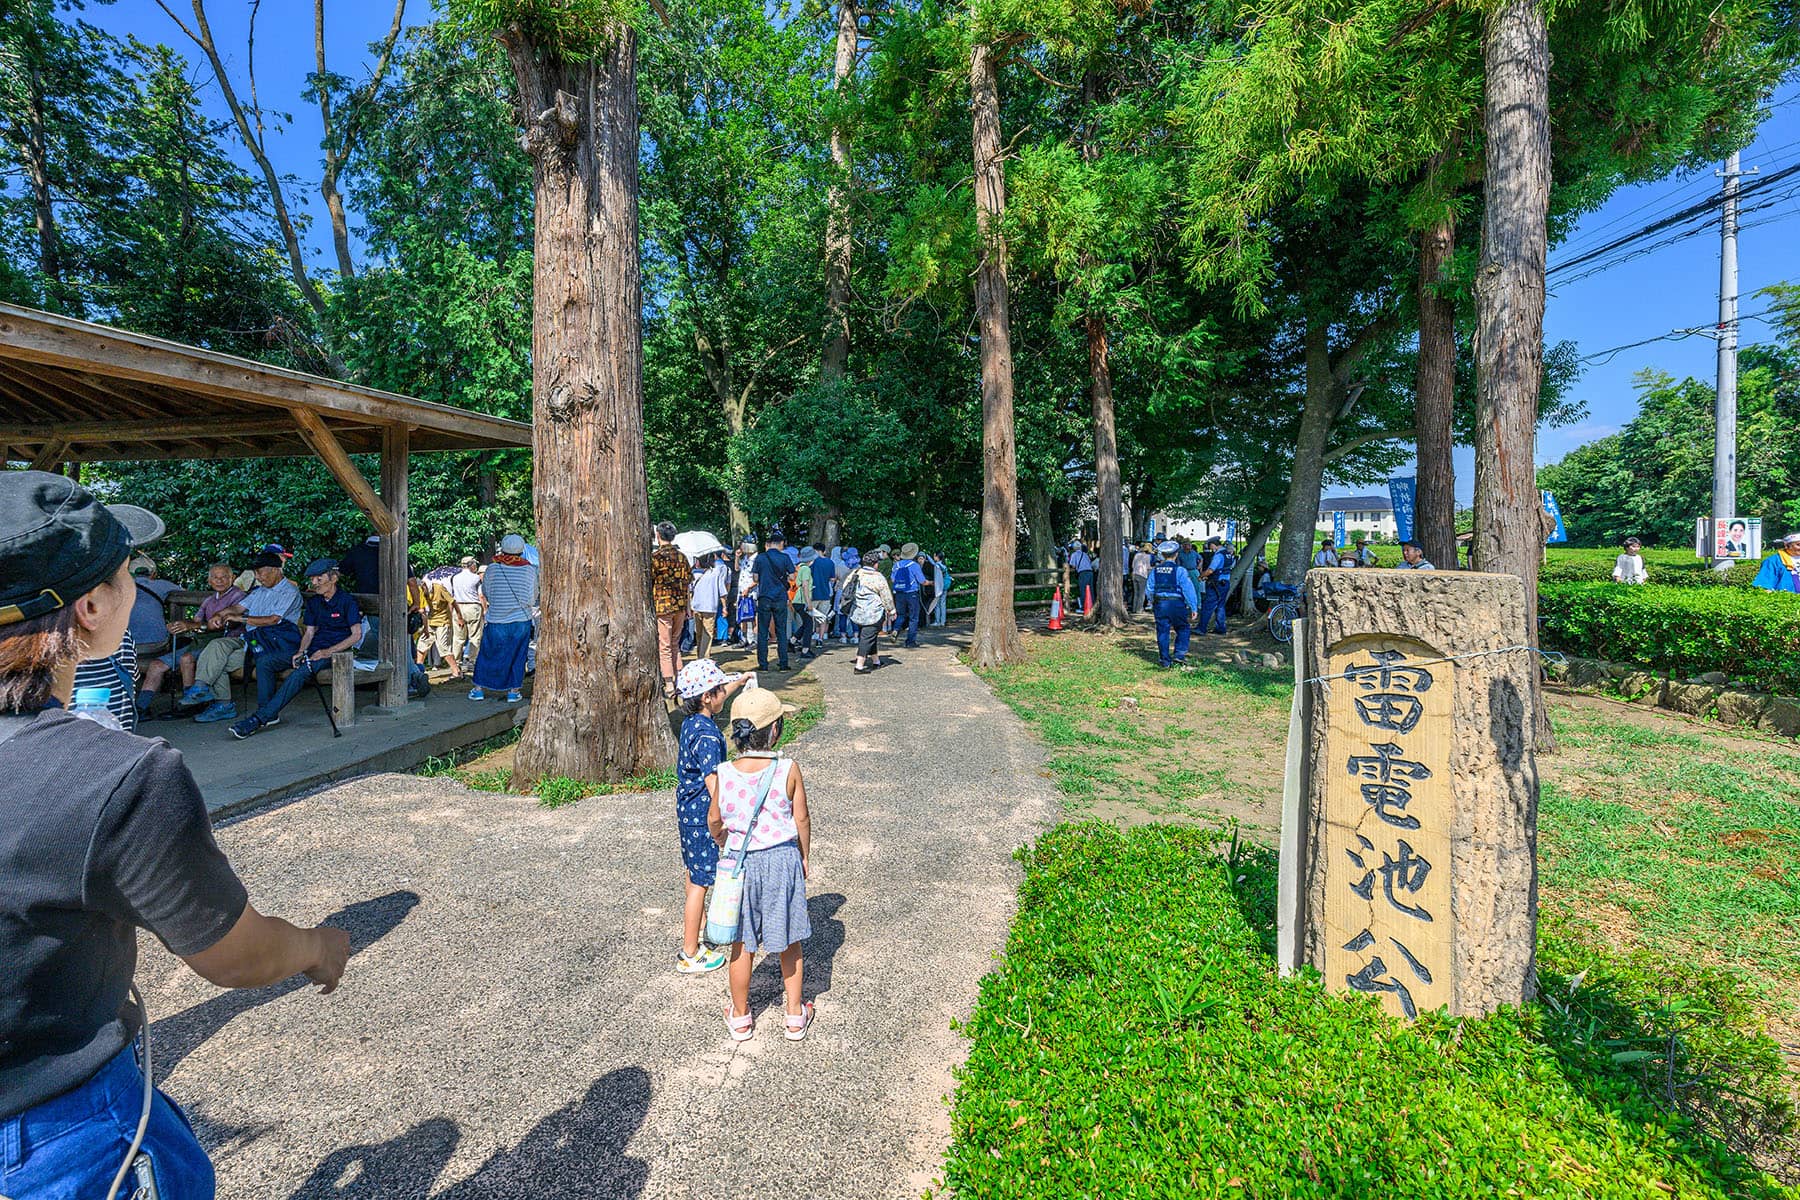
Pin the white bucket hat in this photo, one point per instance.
(700, 677)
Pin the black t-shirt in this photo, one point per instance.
(101, 832)
(772, 569)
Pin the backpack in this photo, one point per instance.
(865, 604)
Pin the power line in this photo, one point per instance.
(1762, 184)
(1619, 259)
(1602, 357)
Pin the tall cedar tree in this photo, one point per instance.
(597, 712)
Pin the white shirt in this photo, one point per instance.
(1630, 568)
(1325, 558)
(465, 587)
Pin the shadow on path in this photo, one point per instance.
(174, 1038)
(575, 1153)
(821, 948)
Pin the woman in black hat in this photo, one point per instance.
(101, 833)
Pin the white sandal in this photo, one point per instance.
(795, 1033)
(742, 1028)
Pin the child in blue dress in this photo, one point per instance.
(703, 688)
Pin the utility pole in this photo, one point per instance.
(1724, 495)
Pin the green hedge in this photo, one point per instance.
(1135, 1042)
(1673, 570)
(1753, 636)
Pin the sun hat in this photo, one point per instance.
(512, 543)
(58, 543)
(143, 564)
(805, 554)
(910, 550)
(319, 566)
(1168, 548)
(759, 706)
(468, 560)
(1789, 539)
(700, 677)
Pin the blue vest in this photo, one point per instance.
(1165, 581)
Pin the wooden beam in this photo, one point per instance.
(29, 336)
(396, 646)
(50, 456)
(325, 444)
(166, 430)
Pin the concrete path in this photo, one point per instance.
(511, 1024)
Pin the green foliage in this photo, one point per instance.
(568, 29)
(1653, 477)
(1750, 635)
(1675, 568)
(1135, 1041)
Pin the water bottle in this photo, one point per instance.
(90, 702)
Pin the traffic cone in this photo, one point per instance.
(1056, 611)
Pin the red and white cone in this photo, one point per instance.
(1056, 611)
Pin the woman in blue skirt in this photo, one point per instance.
(511, 586)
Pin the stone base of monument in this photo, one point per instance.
(1410, 838)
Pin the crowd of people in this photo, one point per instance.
(789, 601)
(259, 625)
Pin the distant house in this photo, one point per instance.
(1372, 516)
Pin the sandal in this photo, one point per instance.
(797, 1025)
(742, 1028)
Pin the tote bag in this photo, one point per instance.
(725, 907)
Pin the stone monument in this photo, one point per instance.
(1410, 842)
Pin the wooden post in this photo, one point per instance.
(395, 650)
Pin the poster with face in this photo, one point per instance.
(1731, 538)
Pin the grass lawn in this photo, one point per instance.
(1669, 858)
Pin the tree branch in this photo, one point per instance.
(1366, 439)
(1345, 361)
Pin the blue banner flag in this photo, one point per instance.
(1337, 529)
(1405, 493)
(1231, 531)
(1555, 510)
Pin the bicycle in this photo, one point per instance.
(1285, 607)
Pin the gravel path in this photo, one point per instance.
(511, 1024)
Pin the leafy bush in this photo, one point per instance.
(1674, 568)
(1136, 1042)
(1752, 635)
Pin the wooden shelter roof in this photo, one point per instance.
(73, 391)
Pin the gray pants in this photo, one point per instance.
(218, 659)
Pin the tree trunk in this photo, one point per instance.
(834, 359)
(597, 712)
(37, 170)
(1109, 577)
(1434, 510)
(996, 628)
(735, 404)
(1301, 513)
(1241, 575)
(1509, 290)
(1040, 533)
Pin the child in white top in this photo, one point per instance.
(774, 918)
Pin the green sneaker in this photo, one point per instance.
(710, 958)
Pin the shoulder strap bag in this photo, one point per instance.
(725, 907)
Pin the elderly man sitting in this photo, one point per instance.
(333, 623)
(269, 617)
(225, 593)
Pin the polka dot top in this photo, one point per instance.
(737, 797)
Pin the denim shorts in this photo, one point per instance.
(69, 1148)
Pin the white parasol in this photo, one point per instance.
(697, 543)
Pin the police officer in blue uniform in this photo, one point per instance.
(1216, 580)
(1172, 598)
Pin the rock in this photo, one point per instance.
(1274, 662)
(1617, 671)
(1128, 704)
(1741, 708)
(1716, 678)
(1245, 658)
(1783, 717)
(1641, 687)
(1585, 672)
(1694, 699)
(1458, 795)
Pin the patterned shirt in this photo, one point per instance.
(737, 797)
(702, 750)
(669, 576)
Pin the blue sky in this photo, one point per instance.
(1674, 288)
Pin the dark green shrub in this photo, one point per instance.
(1751, 635)
(1674, 569)
(1135, 1042)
